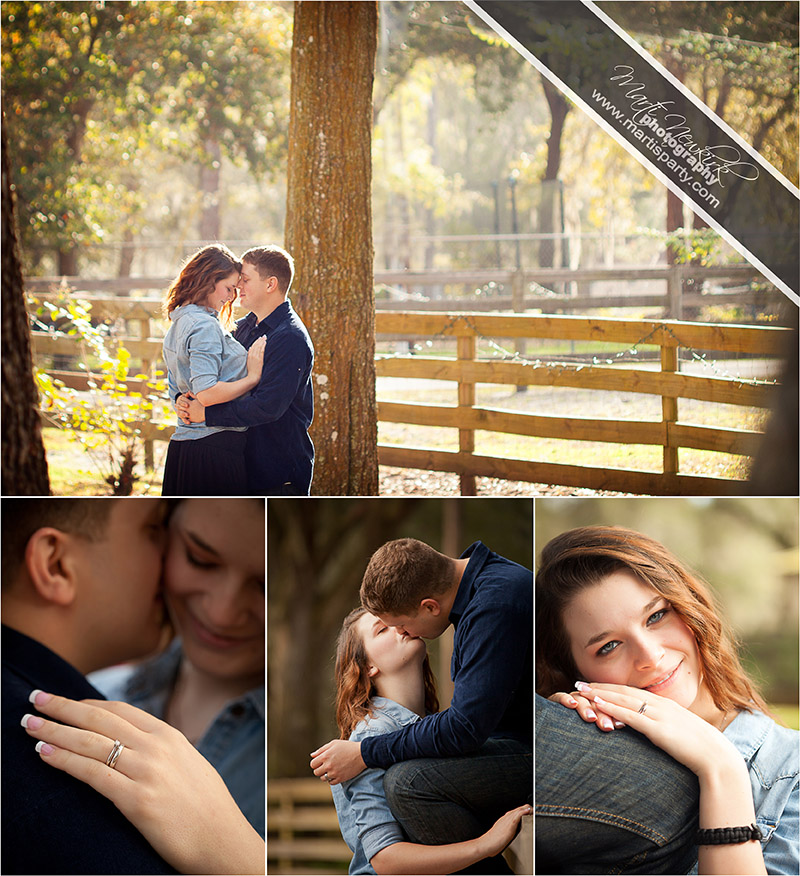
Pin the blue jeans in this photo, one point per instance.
(609, 802)
(451, 799)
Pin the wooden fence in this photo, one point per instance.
(302, 829)
(467, 370)
(684, 287)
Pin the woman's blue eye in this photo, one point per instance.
(608, 648)
(657, 615)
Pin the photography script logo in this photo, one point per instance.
(659, 122)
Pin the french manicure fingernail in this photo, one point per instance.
(31, 722)
(571, 702)
(599, 701)
(606, 724)
(619, 725)
(44, 748)
(590, 714)
(39, 697)
(581, 685)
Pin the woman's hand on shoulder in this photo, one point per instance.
(255, 357)
(503, 831)
(588, 710)
(687, 737)
(159, 781)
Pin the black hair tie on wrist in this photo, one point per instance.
(719, 836)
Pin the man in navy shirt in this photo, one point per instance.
(478, 752)
(81, 581)
(279, 453)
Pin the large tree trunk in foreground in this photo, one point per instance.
(329, 233)
(24, 467)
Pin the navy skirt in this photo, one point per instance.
(210, 466)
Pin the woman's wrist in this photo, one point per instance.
(722, 765)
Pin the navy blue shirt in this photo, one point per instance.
(279, 454)
(492, 668)
(53, 823)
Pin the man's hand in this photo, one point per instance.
(189, 409)
(337, 761)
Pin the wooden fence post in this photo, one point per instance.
(466, 399)
(675, 292)
(669, 405)
(518, 306)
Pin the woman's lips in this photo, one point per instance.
(666, 682)
(215, 640)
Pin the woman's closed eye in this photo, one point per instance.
(199, 562)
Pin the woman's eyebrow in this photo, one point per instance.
(605, 633)
(200, 543)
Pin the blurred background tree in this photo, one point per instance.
(747, 550)
(317, 552)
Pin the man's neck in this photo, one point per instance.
(447, 600)
(272, 303)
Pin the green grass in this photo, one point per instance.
(790, 715)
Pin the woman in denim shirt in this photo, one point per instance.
(204, 360)
(384, 682)
(616, 609)
(209, 685)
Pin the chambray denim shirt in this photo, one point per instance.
(234, 743)
(199, 353)
(365, 819)
(772, 755)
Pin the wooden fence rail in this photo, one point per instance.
(302, 829)
(676, 296)
(668, 384)
(467, 370)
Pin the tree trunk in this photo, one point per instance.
(558, 114)
(126, 254)
(24, 466)
(325, 545)
(329, 232)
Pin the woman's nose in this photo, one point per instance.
(648, 655)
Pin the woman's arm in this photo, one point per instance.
(227, 390)
(725, 796)
(449, 858)
(159, 782)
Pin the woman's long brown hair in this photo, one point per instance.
(354, 688)
(581, 558)
(198, 277)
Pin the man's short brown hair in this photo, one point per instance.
(22, 517)
(401, 574)
(272, 261)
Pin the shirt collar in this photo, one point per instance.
(478, 554)
(400, 713)
(43, 669)
(156, 678)
(747, 731)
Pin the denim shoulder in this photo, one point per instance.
(376, 724)
(778, 757)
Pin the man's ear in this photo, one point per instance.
(432, 606)
(51, 565)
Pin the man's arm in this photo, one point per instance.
(495, 645)
(286, 363)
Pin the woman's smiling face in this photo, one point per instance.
(622, 631)
(214, 578)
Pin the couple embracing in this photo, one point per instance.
(244, 399)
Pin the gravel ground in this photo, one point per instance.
(414, 482)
